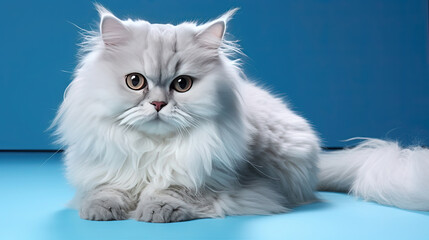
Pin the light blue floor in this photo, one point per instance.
(34, 194)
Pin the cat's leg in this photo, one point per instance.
(174, 204)
(180, 204)
(289, 164)
(283, 147)
(105, 203)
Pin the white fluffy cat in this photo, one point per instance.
(161, 125)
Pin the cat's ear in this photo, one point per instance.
(212, 33)
(112, 30)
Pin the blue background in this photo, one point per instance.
(353, 68)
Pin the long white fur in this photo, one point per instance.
(379, 171)
(209, 133)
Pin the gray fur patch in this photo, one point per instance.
(106, 204)
(162, 209)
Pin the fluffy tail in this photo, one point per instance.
(379, 171)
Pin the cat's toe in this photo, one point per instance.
(162, 212)
(103, 212)
(179, 215)
(105, 206)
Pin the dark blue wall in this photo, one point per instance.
(354, 68)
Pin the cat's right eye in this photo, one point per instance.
(135, 81)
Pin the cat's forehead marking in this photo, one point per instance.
(159, 55)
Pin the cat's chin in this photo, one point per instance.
(157, 127)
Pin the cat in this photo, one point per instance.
(160, 124)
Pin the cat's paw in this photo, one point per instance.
(106, 205)
(162, 209)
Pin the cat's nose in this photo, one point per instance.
(158, 105)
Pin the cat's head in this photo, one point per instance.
(158, 78)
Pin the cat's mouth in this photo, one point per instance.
(154, 123)
(158, 119)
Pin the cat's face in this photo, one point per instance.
(159, 79)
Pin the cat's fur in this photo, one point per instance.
(225, 147)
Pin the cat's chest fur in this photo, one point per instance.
(134, 161)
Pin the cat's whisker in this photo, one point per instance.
(182, 122)
(181, 133)
(136, 119)
(52, 155)
(129, 118)
(185, 118)
(127, 127)
(129, 111)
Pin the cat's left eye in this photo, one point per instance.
(182, 83)
(135, 81)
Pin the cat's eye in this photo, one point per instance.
(182, 83)
(135, 81)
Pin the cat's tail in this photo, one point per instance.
(379, 171)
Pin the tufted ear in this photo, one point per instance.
(212, 33)
(112, 30)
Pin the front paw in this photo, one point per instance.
(106, 205)
(162, 209)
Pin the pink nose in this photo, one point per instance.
(158, 105)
